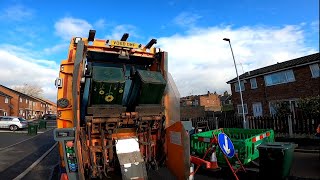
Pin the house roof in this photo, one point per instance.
(225, 98)
(280, 66)
(4, 94)
(50, 102)
(22, 94)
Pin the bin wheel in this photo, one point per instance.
(13, 128)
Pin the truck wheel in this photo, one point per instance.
(13, 128)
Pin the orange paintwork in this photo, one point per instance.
(177, 154)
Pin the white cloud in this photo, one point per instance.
(56, 49)
(200, 60)
(69, 27)
(100, 24)
(186, 19)
(119, 30)
(17, 69)
(16, 13)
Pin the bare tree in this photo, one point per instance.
(30, 89)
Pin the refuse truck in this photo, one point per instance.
(118, 111)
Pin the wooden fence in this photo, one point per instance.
(293, 126)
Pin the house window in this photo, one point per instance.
(240, 109)
(236, 86)
(315, 70)
(257, 109)
(26, 101)
(21, 111)
(286, 106)
(5, 113)
(253, 83)
(279, 78)
(6, 100)
(20, 99)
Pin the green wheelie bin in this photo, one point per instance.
(42, 124)
(32, 129)
(275, 159)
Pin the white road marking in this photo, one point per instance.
(24, 173)
(22, 141)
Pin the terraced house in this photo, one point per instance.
(282, 82)
(5, 104)
(22, 105)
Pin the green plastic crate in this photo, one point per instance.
(245, 142)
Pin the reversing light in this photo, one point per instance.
(58, 83)
(77, 39)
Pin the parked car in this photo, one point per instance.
(13, 123)
(49, 117)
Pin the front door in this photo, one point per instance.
(257, 109)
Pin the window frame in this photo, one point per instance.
(313, 74)
(237, 84)
(260, 104)
(255, 80)
(245, 108)
(6, 100)
(287, 80)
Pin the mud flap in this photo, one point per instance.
(130, 159)
(178, 151)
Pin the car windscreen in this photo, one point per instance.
(21, 119)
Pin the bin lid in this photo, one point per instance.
(277, 145)
(108, 74)
(152, 77)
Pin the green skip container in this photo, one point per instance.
(275, 160)
(245, 142)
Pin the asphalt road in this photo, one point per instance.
(16, 159)
(306, 165)
(9, 138)
(45, 169)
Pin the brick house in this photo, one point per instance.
(51, 107)
(209, 101)
(5, 104)
(26, 106)
(282, 82)
(39, 107)
(21, 103)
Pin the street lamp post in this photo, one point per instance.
(234, 61)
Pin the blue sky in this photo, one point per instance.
(35, 35)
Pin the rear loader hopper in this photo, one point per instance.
(118, 112)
